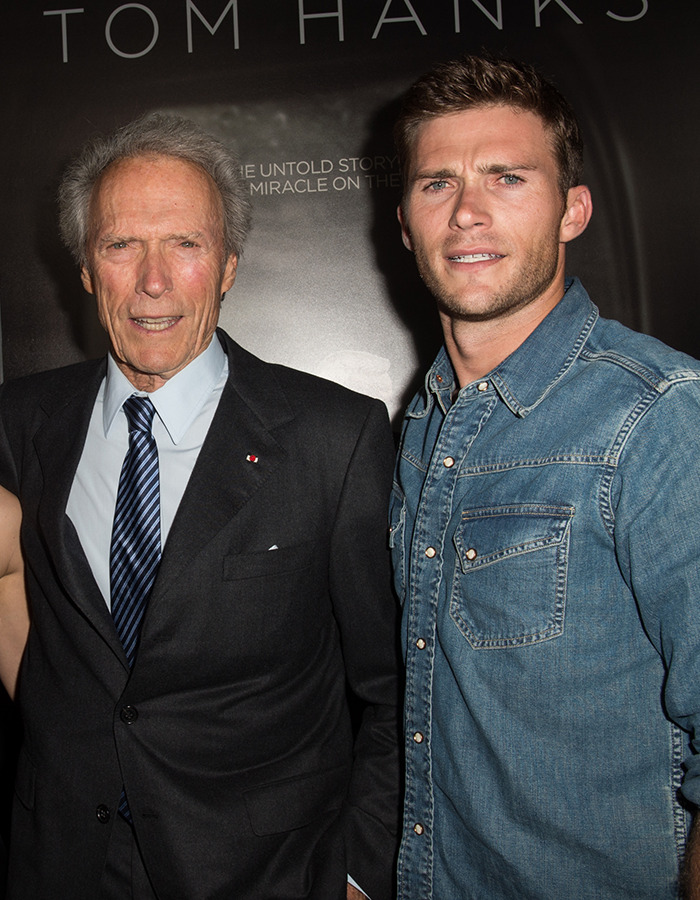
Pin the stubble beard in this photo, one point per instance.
(534, 277)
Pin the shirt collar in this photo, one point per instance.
(525, 377)
(440, 382)
(178, 401)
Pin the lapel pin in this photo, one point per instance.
(251, 457)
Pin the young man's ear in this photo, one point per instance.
(405, 233)
(578, 212)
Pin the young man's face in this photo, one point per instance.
(156, 264)
(484, 214)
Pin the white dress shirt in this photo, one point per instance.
(185, 406)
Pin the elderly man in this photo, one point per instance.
(205, 543)
(545, 529)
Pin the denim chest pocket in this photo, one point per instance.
(509, 585)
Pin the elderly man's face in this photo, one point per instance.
(156, 264)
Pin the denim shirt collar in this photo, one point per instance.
(525, 377)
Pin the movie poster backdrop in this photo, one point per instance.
(305, 92)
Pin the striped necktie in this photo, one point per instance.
(135, 552)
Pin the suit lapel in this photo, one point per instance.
(239, 454)
(59, 444)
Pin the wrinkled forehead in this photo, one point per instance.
(158, 182)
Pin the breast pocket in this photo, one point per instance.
(509, 585)
(274, 599)
(285, 562)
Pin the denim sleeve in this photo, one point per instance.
(656, 509)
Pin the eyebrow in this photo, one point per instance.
(503, 168)
(433, 176)
(112, 238)
(484, 169)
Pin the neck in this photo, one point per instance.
(476, 347)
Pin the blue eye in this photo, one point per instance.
(509, 178)
(437, 185)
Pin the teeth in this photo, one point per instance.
(156, 324)
(476, 257)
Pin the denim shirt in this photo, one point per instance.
(545, 529)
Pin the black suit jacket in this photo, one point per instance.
(232, 733)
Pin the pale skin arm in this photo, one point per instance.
(14, 614)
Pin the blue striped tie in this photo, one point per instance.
(135, 553)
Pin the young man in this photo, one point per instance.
(544, 528)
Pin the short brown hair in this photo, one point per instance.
(477, 81)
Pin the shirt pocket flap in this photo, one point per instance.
(490, 534)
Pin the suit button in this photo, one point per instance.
(103, 813)
(129, 715)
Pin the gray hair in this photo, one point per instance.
(154, 134)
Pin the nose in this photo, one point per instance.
(153, 277)
(470, 209)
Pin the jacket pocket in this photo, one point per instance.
(509, 586)
(294, 802)
(270, 606)
(281, 561)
